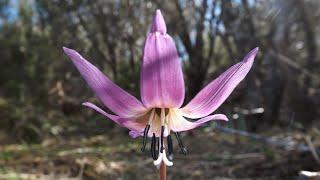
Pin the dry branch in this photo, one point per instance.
(291, 63)
(283, 144)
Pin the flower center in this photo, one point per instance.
(158, 128)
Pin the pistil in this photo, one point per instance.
(162, 157)
(158, 143)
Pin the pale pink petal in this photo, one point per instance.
(114, 118)
(215, 93)
(136, 125)
(116, 99)
(161, 82)
(135, 134)
(178, 123)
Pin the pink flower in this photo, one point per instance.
(162, 93)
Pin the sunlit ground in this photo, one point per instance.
(212, 155)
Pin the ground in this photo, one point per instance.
(212, 155)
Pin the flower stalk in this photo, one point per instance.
(163, 171)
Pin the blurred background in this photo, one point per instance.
(46, 133)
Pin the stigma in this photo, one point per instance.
(158, 130)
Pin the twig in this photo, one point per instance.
(291, 63)
(312, 148)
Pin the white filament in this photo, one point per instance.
(162, 116)
(166, 127)
(151, 116)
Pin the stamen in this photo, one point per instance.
(162, 118)
(170, 147)
(145, 137)
(146, 131)
(182, 147)
(162, 131)
(159, 160)
(153, 147)
(157, 147)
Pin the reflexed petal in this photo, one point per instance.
(136, 125)
(116, 99)
(215, 93)
(114, 118)
(161, 82)
(178, 123)
(135, 134)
